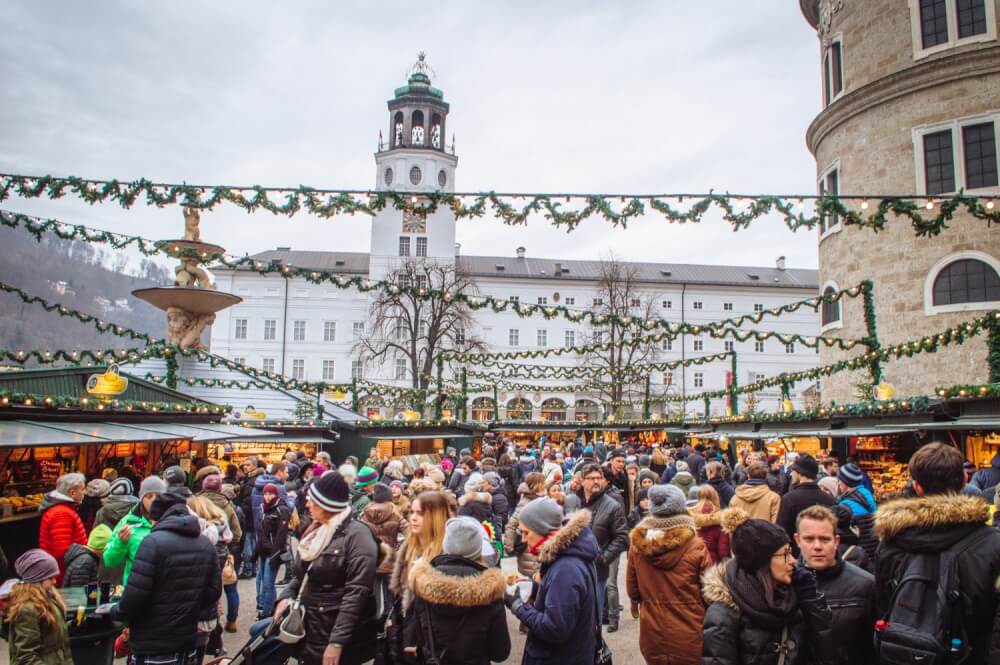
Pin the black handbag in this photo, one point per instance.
(602, 653)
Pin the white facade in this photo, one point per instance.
(309, 331)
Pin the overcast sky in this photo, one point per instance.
(624, 96)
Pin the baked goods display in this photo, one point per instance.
(878, 456)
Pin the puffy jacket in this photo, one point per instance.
(477, 505)
(800, 497)
(561, 621)
(60, 527)
(245, 498)
(736, 634)
(81, 566)
(710, 531)
(933, 524)
(114, 509)
(459, 609)
(758, 500)
(684, 481)
(226, 506)
(272, 532)
(859, 500)
(501, 508)
(725, 490)
(257, 497)
(118, 552)
(340, 606)
(665, 563)
(696, 465)
(609, 526)
(525, 465)
(850, 593)
(986, 480)
(33, 642)
(174, 579)
(386, 524)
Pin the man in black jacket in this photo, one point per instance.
(936, 520)
(174, 580)
(803, 494)
(849, 590)
(610, 528)
(493, 484)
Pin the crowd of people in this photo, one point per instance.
(768, 561)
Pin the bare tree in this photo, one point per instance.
(620, 296)
(404, 326)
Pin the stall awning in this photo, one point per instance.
(21, 433)
(205, 432)
(881, 430)
(416, 437)
(986, 423)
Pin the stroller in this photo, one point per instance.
(263, 648)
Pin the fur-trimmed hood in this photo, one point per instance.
(433, 585)
(714, 588)
(479, 497)
(662, 540)
(932, 512)
(701, 520)
(564, 537)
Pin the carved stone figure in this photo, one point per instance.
(192, 220)
(184, 328)
(189, 273)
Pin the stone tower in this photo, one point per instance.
(911, 105)
(414, 159)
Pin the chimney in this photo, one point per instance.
(284, 249)
(458, 249)
(520, 252)
(780, 263)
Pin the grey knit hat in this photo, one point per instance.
(98, 487)
(463, 536)
(666, 501)
(543, 516)
(493, 478)
(36, 566)
(152, 484)
(120, 487)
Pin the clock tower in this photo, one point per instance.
(413, 160)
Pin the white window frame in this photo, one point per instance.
(543, 300)
(299, 330)
(930, 309)
(513, 337)
(240, 360)
(240, 326)
(699, 380)
(833, 325)
(542, 337)
(790, 348)
(514, 300)
(828, 69)
(421, 247)
(570, 301)
(635, 302)
(297, 365)
(698, 304)
(401, 369)
(330, 365)
(598, 302)
(264, 363)
(270, 326)
(329, 331)
(957, 150)
(404, 243)
(729, 346)
(699, 345)
(820, 185)
(758, 307)
(357, 370)
(358, 329)
(919, 52)
(570, 338)
(759, 346)
(668, 304)
(727, 307)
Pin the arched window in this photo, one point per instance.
(519, 409)
(554, 409)
(417, 128)
(966, 280)
(587, 410)
(482, 409)
(397, 129)
(830, 312)
(436, 131)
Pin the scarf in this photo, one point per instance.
(319, 535)
(750, 595)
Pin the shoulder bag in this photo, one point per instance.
(293, 626)
(602, 653)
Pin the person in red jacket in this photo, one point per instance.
(707, 516)
(61, 526)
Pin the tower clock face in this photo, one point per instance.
(415, 175)
(387, 177)
(442, 178)
(414, 222)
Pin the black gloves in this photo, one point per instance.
(804, 581)
(512, 599)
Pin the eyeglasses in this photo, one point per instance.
(786, 555)
(594, 478)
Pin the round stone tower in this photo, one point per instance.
(911, 105)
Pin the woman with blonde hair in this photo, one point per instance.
(429, 512)
(36, 613)
(215, 526)
(707, 518)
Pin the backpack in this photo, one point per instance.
(864, 525)
(924, 622)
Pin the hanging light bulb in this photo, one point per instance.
(864, 204)
(930, 204)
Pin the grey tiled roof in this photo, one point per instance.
(356, 263)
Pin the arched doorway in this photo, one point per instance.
(554, 409)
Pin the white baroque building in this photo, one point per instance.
(307, 331)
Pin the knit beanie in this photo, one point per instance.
(163, 503)
(151, 484)
(98, 487)
(205, 471)
(99, 537)
(381, 493)
(850, 475)
(212, 483)
(36, 566)
(330, 492)
(666, 501)
(271, 488)
(493, 478)
(174, 475)
(463, 536)
(543, 516)
(120, 487)
(753, 541)
(366, 476)
(396, 483)
(681, 466)
(646, 473)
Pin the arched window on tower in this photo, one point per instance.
(417, 128)
(554, 409)
(436, 131)
(830, 312)
(518, 409)
(482, 409)
(966, 281)
(397, 130)
(587, 410)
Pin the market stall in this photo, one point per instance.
(398, 440)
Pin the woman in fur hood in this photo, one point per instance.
(665, 562)
(458, 602)
(763, 608)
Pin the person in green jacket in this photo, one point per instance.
(133, 528)
(36, 613)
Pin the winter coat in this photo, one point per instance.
(683, 480)
(527, 563)
(665, 563)
(986, 480)
(859, 500)
(800, 497)
(850, 593)
(725, 490)
(525, 465)
(735, 634)
(174, 579)
(509, 485)
(88, 509)
(459, 608)
(115, 508)
(610, 528)
(257, 496)
(668, 475)
(340, 606)
(624, 485)
(933, 524)
(758, 500)
(778, 481)
(501, 509)
(696, 465)
(850, 551)
(710, 531)
(245, 498)
(636, 516)
(386, 524)
(60, 527)
(477, 505)
(359, 501)
(33, 642)
(81, 566)
(226, 506)
(561, 621)
(118, 552)
(272, 532)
